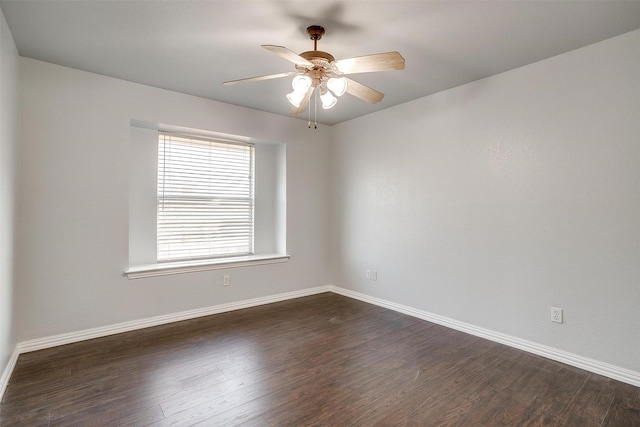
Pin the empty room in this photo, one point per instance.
(331, 213)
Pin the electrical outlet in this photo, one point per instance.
(372, 275)
(556, 314)
(226, 280)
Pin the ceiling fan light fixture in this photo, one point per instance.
(295, 98)
(327, 98)
(319, 74)
(337, 85)
(301, 83)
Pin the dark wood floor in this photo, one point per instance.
(324, 360)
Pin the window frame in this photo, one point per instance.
(210, 175)
(270, 219)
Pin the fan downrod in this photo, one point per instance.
(315, 33)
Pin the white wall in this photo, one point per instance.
(8, 146)
(490, 202)
(486, 203)
(73, 210)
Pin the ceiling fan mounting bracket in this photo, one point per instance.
(315, 32)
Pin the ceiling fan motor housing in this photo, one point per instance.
(321, 65)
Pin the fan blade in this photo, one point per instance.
(363, 92)
(303, 103)
(257, 79)
(370, 63)
(285, 53)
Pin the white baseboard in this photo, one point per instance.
(595, 366)
(590, 365)
(87, 334)
(8, 370)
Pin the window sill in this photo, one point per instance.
(165, 269)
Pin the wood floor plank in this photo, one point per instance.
(435, 380)
(591, 403)
(625, 407)
(324, 360)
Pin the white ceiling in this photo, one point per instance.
(193, 46)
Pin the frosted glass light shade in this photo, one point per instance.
(328, 100)
(301, 83)
(295, 97)
(337, 85)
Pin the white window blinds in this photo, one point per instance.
(205, 197)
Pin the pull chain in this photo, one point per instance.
(309, 122)
(313, 105)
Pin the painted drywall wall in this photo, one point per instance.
(8, 145)
(486, 203)
(73, 211)
(491, 202)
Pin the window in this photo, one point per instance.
(205, 198)
(243, 223)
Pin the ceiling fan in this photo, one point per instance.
(318, 72)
